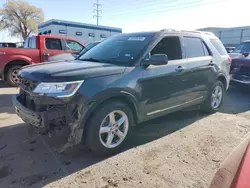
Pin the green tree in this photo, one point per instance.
(20, 18)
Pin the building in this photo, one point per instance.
(230, 36)
(85, 33)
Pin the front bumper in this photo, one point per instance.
(42, 121)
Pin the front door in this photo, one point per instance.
(162, 86)
(53, 46)
(73, 47)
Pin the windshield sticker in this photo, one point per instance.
(136, 38)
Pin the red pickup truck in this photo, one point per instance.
(36, 49)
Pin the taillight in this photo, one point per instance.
(230, 59)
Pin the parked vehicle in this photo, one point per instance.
(240, 69)
(36, 49)
(68, 56)
(229, 49)
(125, 80)
(234, 170)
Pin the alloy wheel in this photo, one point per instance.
(114, 129)
(217, 95)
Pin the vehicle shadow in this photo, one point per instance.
(6, 105)
(28, 159)
(6, 98)
(236, 100)
(3, 84)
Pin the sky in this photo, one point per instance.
(146, 15)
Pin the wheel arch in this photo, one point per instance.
(222, 78)
(124, 98)
(13, 63)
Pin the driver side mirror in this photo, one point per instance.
(156, 59)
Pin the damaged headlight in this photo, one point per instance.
(58, 89)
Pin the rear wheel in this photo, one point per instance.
(11, 76)
(108, 128)
(215, 98)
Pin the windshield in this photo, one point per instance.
(87, 48)
(118, 50)
(243, 48)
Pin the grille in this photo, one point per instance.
(27, 85)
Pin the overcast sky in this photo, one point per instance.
(144, 15)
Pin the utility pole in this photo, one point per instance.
(97, 11)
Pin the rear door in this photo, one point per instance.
(53, 46)
(200, 63)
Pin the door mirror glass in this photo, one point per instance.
(156, 59)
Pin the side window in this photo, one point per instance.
(74, 46)
(219, 46)
(53, 44)
(26, 43)
(33, 42)
(169, 46)
(193, 47)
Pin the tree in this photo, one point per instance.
(20, 18)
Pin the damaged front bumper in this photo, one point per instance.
(47, 114)
(42, 121)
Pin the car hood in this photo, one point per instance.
(68, 71)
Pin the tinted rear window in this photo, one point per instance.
(193, 47)
(219, 46)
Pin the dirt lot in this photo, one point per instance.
(182, 150)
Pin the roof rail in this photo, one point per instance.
(169, 29)
(200, 32)
(191, 31)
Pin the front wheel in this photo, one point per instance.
(12, 76)
(108, 128)
(215, 98)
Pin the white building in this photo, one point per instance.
(85, 33)
(230, 36)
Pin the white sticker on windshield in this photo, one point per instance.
(136, 38)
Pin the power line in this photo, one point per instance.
(133, 3)
(162, 9)
(149, 8)
(97, 11)
(142, 10)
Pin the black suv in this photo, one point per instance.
(125, 80)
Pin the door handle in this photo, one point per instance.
(46, 54)
(180, 68)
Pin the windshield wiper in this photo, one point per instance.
(91, 59)
(97, 60)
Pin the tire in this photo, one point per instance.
(208, 106)
(97, 141)
(9, 77)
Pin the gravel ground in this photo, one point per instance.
(181, 150)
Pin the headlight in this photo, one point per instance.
(58, 89)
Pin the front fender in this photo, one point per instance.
(120, 95)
